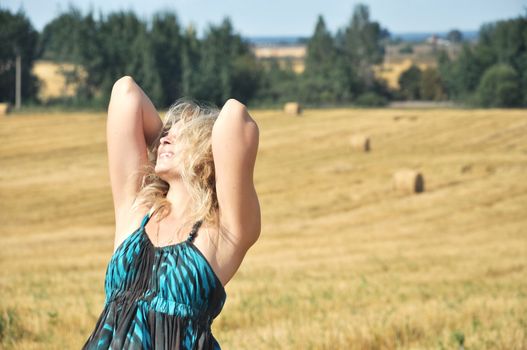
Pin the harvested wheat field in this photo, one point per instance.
(344, 261)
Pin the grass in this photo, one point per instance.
(343, 262)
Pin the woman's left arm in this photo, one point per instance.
(235, 137)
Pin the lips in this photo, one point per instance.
(166, 154)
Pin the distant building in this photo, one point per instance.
(437, 41)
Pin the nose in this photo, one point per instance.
(165, 140)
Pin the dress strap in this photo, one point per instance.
(146, 218)
(194, 231)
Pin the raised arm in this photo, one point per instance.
(235, 138)
(132, 123)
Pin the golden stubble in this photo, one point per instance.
(343, 261)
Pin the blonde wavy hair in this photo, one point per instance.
(195, 164)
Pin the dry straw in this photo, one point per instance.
(293, 108)
(360, 143)
(4, 108)
(408, 181)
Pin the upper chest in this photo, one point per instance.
(205, 242)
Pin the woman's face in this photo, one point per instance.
(166, 164)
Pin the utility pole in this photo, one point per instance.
(18, 87)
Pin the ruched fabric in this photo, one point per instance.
(158, 297)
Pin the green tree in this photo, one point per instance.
(409, 83)
(362, 41)
(17, 37)
(431, 85)
(455, 36)
(190, 63)
(60, 39)
(93, 59)
(502, 42)
(166, 49)
(220, 77)
(74, 38)
(325, 78)
(500, 87)
(117, 34)
(278, 84)
(246, 77)
(507, 41)
(145, 69)
(462, 76)
(320, 50)
(166, 62)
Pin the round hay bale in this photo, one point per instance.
(408, 181)
(360, 143)
(4, 108)
(293, 108)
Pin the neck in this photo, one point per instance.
(179, 199)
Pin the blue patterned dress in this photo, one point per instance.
(162, 298)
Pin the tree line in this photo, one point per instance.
(491, 73)
(170, 61)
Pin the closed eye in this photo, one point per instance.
(167, 128)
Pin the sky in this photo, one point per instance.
(293, 17)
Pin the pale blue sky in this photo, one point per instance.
(295, 17)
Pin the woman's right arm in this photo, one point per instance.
(132, 124)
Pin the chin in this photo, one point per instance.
(165, 173)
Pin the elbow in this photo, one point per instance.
(124, 85)
(234, 122)
(125, 91)
(235, 109)
(233, 103)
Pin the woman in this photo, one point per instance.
(186, 212)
